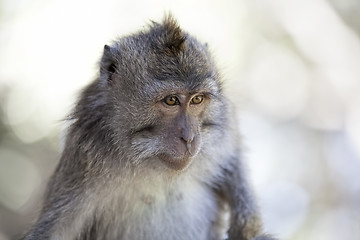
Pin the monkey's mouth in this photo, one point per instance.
(175, 163)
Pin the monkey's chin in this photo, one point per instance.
(173, 163)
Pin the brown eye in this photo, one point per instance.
(171, 100)
(197, 99)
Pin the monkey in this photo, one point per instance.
(153, 151)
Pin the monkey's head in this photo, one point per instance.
(164, 95)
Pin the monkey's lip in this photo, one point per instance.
(175, 163)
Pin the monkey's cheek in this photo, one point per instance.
(176, 164)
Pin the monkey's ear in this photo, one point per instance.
(108, 65)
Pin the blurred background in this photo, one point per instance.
(292, 68)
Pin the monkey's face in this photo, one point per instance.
(181, 114)
(166, 111)
(174, 136)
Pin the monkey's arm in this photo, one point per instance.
(63, 196)
(245, 222)
(56, 219)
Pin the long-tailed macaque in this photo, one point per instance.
(153, 151)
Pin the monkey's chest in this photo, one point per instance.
(156, 212)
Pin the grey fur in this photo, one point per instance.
(110, 183)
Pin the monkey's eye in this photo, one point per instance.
(171, 100)
(197, 99)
